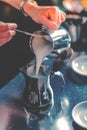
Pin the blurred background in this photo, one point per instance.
(76, 22)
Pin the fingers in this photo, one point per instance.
(49, 24)
(53, 20)
(52, 17)
(56, 15)
(7, 26)
(7, 31)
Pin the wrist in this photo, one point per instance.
(28, 6)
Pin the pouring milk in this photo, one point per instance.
(41, 47)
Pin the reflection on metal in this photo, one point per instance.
(62, 124)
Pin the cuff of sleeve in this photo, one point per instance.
(22, 5)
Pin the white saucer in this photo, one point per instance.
(79, 65)
(79, 114)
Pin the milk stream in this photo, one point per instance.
(41, 48)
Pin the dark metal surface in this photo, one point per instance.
(14, 117)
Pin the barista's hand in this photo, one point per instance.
(7, 31)
(50, 16)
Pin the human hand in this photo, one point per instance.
(7, 31)
(50, 16)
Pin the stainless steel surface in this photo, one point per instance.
(79, 114)
(38, 95)
(79, 65)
